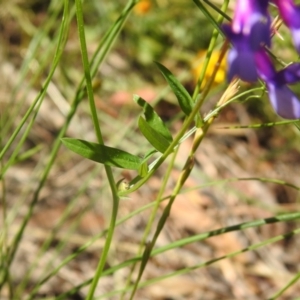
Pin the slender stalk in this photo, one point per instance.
(108, 170)
(87, 73)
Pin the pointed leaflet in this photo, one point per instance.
(155, 138)
(103, 154)
(153, 119)
(143, 169)
(184, 99)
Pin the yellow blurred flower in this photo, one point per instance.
(198, 65)
(142, 7)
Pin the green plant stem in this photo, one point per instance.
(109, 236)
(87, 74)
(108, 170)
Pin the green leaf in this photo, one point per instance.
(153, 119)
(155, 138)
(143, 169)
(184, 99)
(103, 154)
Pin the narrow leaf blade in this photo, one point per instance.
(184, 99)
(156, 139)
(143, 169)
(103, 154)
(153, 119)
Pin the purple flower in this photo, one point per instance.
(284, 101)
(290, 14)
(250, 29)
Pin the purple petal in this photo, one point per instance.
(234, 37)
(289, 75)
(241, 59)
(284, 101)
(260, 32)
(265, 68)
(242, 65)
(296, 37)
(290, 13)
